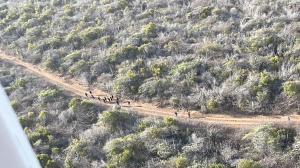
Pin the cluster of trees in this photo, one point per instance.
(73, 132)
(204, 55)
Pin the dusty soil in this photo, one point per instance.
(232, 120)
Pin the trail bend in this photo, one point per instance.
(71, 85)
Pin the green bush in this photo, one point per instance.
(74, 56)
(212, 104)
(77, 147)
(43, 115)
(245, 163)
(291, 88)
(123, 151)
(153, 88)
(18, 83)
(10, 30)
(25, 17)
(111, 166)
(57, 2)
(217, 166)
(155, 131)
(91, 33)
(56, 42)
(205, 12)
(50, 65)
(76, 103)
(47, 15)
(181, 162)
(170, 121)
(40, 132)
(46, 161)
(14, 105)
(266, 79)
(209, 48)
(106, 41)
(150, 30)
(80, 66)
(255, 89)
(114, 118)
(110, 9)
(49, 94)
(3, 13)
(55, 150)
(270, 138)
(159, 69)
(143, 125)
(275, 62)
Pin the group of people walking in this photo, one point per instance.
(110, 99)
(106, 98)
(187, 110)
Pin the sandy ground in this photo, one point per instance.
(232, 120)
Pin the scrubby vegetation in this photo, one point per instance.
(210, 56)
(74, 132)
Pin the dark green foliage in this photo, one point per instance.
(181, 163)
(49, 94)
(217, 166)
(91, 33)
(245, 163)
(270, 136)
(205, 12)
(75, 103)
(14, 105)
(291, 88)
(170, 121)
(19, 83)
(114, 118)
(46, 161)
(212, 104)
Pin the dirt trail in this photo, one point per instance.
(234, 120)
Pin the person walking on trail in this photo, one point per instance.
(99, 98)
(176, 113)
(289, 118)
(93, 97)
(86, 95)
(128, 103)
(189, 113)
(90, 92)
(112, 96)
(117, 103)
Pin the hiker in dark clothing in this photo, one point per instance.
(108, 99)
(103, 100)
(189, 113)
(117, 103)
(93, 97)
(176, 113)
(86, 95)
(112, 97)
(99, 98)
(117, 99)
(289, 118)
(128, 103)
(90, 92)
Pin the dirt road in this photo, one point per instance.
(234, 120)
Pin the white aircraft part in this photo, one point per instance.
(15, 149)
